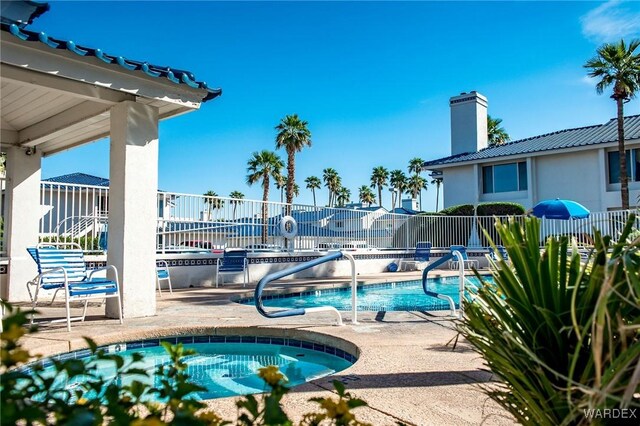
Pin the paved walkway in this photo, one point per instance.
(408, 369)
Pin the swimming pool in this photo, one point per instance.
(224, 365)
(399, 296)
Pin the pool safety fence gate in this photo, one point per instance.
(79, 213)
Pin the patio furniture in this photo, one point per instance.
(162, 274)
(498, 252)
(65, 269)
(232, 262)
(420, 257)
(466, 262)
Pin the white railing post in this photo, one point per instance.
(354, 288)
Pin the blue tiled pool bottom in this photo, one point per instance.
(400, 296)
(226, 365)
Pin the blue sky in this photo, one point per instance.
(372, 79)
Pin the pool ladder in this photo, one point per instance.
(302, 311)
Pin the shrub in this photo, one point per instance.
(35, 397)
(500, 209)
(91, 243)
(561, 334)
(459, 210)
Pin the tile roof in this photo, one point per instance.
(569, 138)
(174, 75)
(79, 179)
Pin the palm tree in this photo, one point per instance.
(437, 179)
(496, 135)
(281, 184)
(343, 195)
(236, 198)
(366, 195)
(332, 181)
(212, 202)
(415, 185)
(262, 166)
(293, 135)
(379, 180)
(313, 183)
(618, 65)
(415, 167)
(397, 181)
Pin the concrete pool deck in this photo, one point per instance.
(408, 370)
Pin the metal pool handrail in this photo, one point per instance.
(301, 267)
(425, 272)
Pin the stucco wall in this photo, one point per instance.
(460, 186)
(576, 176)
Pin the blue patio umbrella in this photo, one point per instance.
(560, 209)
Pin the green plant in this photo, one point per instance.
(459, 210)
(75, 393)
(87, 243)
(562, 334)
(501, 208)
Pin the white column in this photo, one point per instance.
(22, 219)
(133, 206)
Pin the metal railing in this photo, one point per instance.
(78, 213)
(283, 313)
(73, 213)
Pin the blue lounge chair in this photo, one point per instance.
(232, 262)
(498, 252)
(65, 269)
(420, 258)
(162, 274)
(466, 262)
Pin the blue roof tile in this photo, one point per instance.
(563, 139)
(79, 179)
(174, 75)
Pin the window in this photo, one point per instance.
(504, 177)
(633, 165)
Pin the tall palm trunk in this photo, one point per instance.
(313, 191)
(380, 195)
(265, 208)
(624, 178)
(291, 173)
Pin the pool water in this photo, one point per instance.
(400, 296)
(230, 369)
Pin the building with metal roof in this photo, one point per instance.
(581, 164)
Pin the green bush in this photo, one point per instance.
(500, 209)
(560, 333)
(485, 209)
(459, 210)
(87, 243)
(33, 397)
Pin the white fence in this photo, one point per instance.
(186, 221)
(3, 181)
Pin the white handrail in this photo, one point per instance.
(458, 255)
(354, 288)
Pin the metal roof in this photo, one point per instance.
(563, 139)
(79, 179)
(174, 75)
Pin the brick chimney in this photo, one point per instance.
(468, 122)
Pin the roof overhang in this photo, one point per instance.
(54, 99)
(514, 157)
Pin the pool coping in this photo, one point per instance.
(180, 333)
